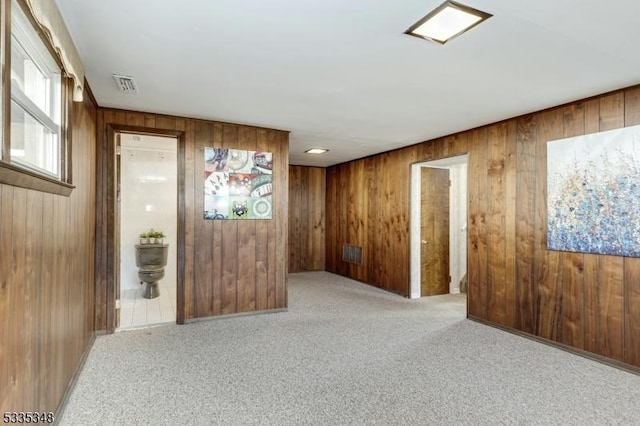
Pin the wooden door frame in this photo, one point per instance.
(109, 233)
(414, 216)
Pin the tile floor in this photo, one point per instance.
(137, 312)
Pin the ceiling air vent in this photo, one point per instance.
(126, 84)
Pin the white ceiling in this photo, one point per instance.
(340, 74)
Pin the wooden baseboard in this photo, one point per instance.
(589, 355)
(72, 383)
(240, 314)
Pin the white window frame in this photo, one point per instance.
(26, 40)
(55, 177)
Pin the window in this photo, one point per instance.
(36, 144)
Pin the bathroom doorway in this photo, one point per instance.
(438, 238)
(146, 201)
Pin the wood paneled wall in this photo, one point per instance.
(589, 302)
(367, 206)
(46, 280)
(306, 218)
(227, 267)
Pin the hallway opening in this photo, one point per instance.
(438, 237)
(147, 199)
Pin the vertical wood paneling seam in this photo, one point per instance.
(309, 220)
(624, 264)
(487, 200)
(6, 237)
(511, 221)
(41, 304)
(536, 245)
(490, 280)
(559, 326)
(584, 303)
(190, 145)
(582, 315)
(536, 204)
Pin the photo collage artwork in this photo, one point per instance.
(237, 184)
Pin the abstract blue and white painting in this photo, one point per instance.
(593, 193)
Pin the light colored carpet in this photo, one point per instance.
(345, 354)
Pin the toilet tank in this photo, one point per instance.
(151, 254)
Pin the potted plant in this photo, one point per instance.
(144, 238)
(152, 237)
(156, 237)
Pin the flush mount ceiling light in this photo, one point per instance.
(447, 21)
(316, 151)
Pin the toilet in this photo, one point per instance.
(151, 259)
